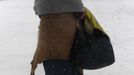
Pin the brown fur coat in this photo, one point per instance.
(56, 34)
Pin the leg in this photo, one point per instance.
(58, 67)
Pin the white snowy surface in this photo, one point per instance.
(19, 28)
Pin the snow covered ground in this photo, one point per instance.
(19, 27)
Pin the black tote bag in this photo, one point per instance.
(91, 49)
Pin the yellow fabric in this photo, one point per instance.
(90, 21)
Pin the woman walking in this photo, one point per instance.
(58, 22)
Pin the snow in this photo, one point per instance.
(19, 29)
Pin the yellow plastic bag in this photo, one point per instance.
(90, 21)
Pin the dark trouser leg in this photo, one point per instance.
(61, 67)
(58, 67)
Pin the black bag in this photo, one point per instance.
(91, 50)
